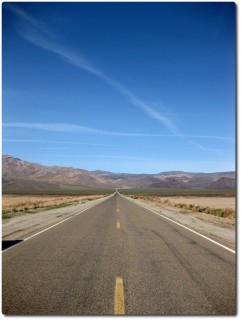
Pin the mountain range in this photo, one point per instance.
(19, 174)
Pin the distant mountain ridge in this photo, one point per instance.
(19, 174)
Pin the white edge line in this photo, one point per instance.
(54, 225)
(181, 225)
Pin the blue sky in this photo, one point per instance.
(122, 87)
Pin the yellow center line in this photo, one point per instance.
(118, 224)
(119, 296)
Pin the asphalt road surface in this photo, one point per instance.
(118, 258)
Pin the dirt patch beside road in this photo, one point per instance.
(212, 202)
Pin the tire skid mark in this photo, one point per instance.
(205, 288)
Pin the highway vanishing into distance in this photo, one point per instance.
(118, 258)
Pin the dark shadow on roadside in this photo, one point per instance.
(9, 243)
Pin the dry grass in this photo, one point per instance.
(220, 212)
(217, 206)
(26, 203)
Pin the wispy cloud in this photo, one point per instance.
(59, 142)
(59, 127)
(208, 137)
(198, 145)
(39, 36)
(78, 129)
(53, 148)
(39, 25)
(24, 140)
(72, 128)
(83, 156)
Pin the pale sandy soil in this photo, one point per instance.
(212, 202)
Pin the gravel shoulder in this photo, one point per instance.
(21, 227)
(217, 228)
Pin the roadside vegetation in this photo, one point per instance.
(14, 205)
(189, 200)
(220, 212)
(178, 192)
(59, 192)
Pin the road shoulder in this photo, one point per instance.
(22, 227)
(217, 228)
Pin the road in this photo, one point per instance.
(118, 257)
